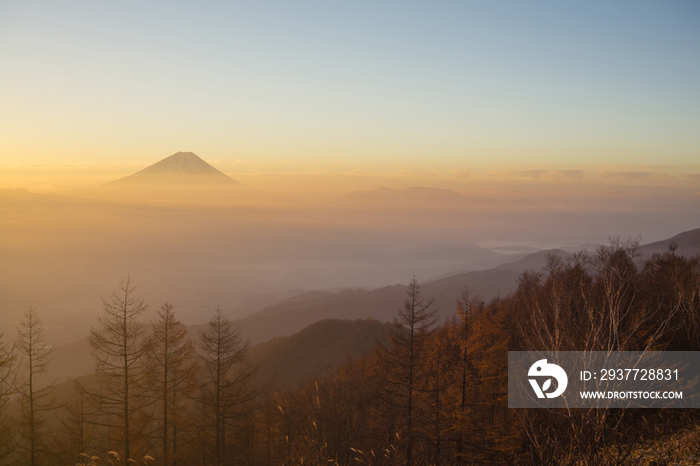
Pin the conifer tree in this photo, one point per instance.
(172, 372)
(76, 435)
(117, 346)
(35, 354)
(7, 359)
(467, 306)
(406, 361)
(225, 382)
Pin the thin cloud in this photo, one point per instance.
(541, 174)
(568, 174)
(619, 168)
(530, 173)
(632, 176)
(460, 173)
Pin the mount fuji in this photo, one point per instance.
(179, 168)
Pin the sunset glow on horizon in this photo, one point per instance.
(318, 84)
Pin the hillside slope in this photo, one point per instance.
(316, 350)
(285, 360)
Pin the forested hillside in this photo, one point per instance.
(420, 391)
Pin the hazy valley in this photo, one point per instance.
(188, 234)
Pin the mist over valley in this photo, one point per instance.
(187, 233)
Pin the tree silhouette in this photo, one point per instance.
(117, 346)
(7, 360)
(467, 306)
(224, 383)
(76, 434)
(36, 354)
(406, 360)
(172, 372)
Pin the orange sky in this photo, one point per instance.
(314, 181)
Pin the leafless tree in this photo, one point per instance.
(225, 384)
(76, 435)
(172, 372)
(407, 358)
(35, 355)
(592, 303)
(117, 346)
(7, 360)
(467, 306)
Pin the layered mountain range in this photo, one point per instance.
(294, 314)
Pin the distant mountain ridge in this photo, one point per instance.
(294, 314)
(687, 243)
(413, 194)
(535, 261)
(422, 197)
